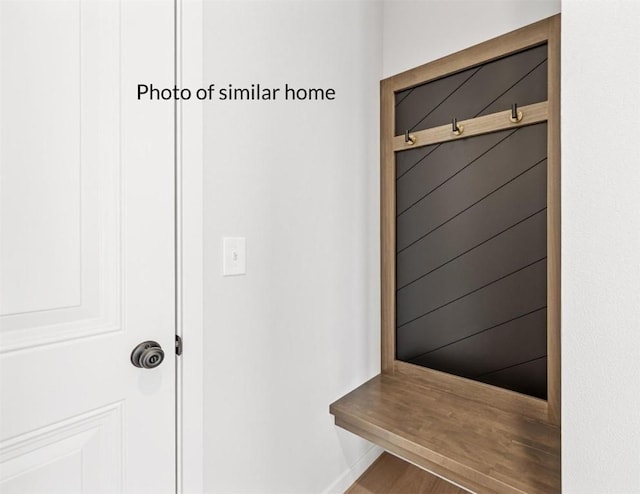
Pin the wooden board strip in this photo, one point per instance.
(473, 391)
(534, 113)
(387, 228)
(553, 223)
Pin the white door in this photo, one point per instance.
(87, 247)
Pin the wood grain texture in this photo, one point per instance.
(520, 39)
(476, 445)
(387, 228)
(473, 391)
(553, 223)
(391, 475)
(531, 114)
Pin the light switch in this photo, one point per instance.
(234, 256)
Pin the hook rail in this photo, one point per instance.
(536, 112)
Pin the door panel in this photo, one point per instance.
(87, 252)
(61, 170)
(53, 459)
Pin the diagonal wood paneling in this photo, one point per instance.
(431, 207)
(406, 160)
(520, 246)
(528, 377)
(484, 352)
(520, 293)
(519, 78)
(413, 104)
(444, 161)
(471, 252)
(501, 210)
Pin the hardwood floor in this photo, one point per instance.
(391, 475)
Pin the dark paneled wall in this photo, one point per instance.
(520, 78)
(471, 232)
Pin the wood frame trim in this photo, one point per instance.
(544, 31)
(387, 227)
(553, 222)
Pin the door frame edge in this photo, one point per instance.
(189, 250)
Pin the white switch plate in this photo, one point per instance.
(234, 256)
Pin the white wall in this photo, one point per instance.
(300, 181)
(420, 31)
(601, 247)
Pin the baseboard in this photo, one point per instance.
(351, 475)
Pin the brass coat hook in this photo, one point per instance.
(456, 128)
(516, 115)
(409, 139)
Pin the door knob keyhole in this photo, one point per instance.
(147, 355)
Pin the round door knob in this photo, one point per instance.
(147, 355)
